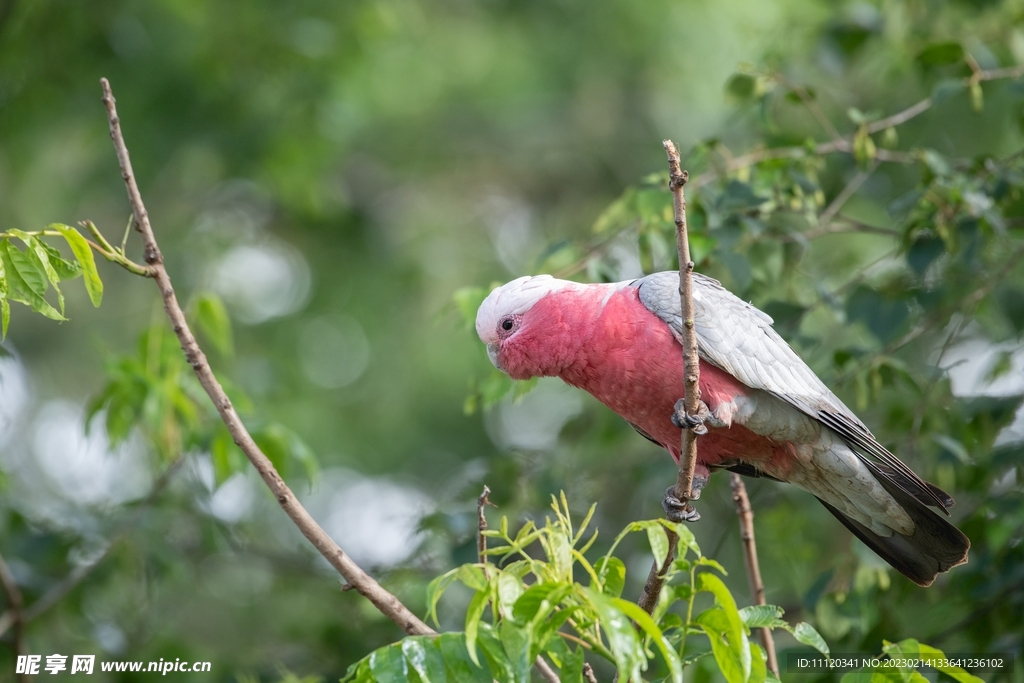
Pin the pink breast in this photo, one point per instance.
(633, 364)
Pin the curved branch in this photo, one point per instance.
(386, 602)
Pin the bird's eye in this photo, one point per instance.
(507, 324)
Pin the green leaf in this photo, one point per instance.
(457, 661)
(66, 270)
(612, 573)
(742, 87)
(494, 651)
(80, 248)
(806, 634)
(571, 667)
(213, 321)
(425, 659)
(658, 539)
(435, 589)
(646, 623)
(388, 665)
(732, 655)
(509, 589)
(734, 633)
(758, 665)
(516, 641)
(941, 54)
(627, 650)
(474, 613)
(529, 603)
(26, 279)
(473, 576)
(761, 616)
(36, 252)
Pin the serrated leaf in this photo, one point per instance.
(35, 252)
(27, 282)
(761, 616)
(66, 270)
(806, 634)
(80, 248)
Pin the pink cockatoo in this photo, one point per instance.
(764, 410)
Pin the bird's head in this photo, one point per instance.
(527, 325)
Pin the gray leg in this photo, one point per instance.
(681, 510)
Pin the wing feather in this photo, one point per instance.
(738, 338)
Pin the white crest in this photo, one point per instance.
(514, 298)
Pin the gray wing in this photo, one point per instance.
(739, 339)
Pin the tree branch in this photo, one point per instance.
(691, 373)
(387, 603)
(746, 515)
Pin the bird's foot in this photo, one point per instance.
(680, 510)
(681, 419)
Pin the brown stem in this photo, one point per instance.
(481, 540)
(691, 372)
(389, 605)
(746, 515)
(691, 361)
(15, 602)
(588, 673)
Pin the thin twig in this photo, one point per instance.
(588, 673)
(845, 144)
(691, 373)
(387, 603)
(844, 196)
(481, 540)
(16, 601)
(746, 516)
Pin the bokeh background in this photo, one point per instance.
(336, 172)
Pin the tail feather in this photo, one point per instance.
(935, 546)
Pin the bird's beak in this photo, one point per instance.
(492, 353)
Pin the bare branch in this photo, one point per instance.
(387, 603)
(588, 673)
(844, 196)
(481, 540)
(746, 515)
(691, 362)
(691, 374)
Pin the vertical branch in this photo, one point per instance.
(15, 602)
(481, 540)
(746, 515)
(691, 373)
(691, 362)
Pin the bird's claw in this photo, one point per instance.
(680, 510)
(683, 420)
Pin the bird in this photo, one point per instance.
(762, 410)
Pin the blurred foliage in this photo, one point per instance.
(333, 172)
